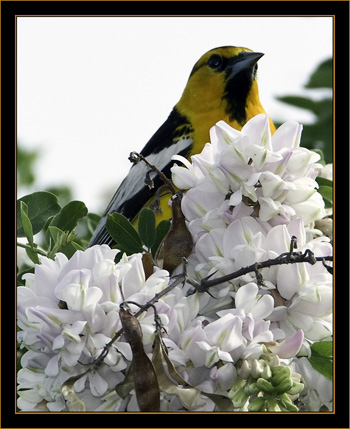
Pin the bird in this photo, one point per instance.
(221, 86)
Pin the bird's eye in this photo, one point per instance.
(215, 61)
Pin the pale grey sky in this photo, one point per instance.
(92, 89)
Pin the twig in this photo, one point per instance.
(284, 258)
(136, 157)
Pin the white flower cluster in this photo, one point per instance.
(67, 312)
(248, 194)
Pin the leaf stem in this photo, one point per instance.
(33, 249)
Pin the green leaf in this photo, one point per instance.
(298, 101)
(41, 205)
(322, 348)
(326, 190)
(77, 246)
(322, 76)
(28, 231)
(123, 233)
(55, 233)
(161, 231)
(147, 227)
(68, 217)
(327, 194)
(33, 255)
(26, 223)
(322, 181)
(323, 365)
(322, 358)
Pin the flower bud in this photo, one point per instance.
(272, 405)
(267, 373)
(244, 370)
(285, 385)
(296, 388)
(287, 402)
(257, 368)
(239, 399)
(276, 369)
(257, 404)
(284, 372)
(252, 389)
(265, 385)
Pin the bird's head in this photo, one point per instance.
(224, 79)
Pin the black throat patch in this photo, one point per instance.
(236, 92)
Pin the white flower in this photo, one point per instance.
(66, 325)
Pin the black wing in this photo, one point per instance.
(173, 137)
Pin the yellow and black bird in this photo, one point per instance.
(222, 86)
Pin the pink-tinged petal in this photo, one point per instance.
(289, 347)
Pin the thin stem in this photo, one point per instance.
(33, 249)
(167, 182)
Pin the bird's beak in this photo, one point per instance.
(244, 61)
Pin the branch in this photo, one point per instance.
(282, 259)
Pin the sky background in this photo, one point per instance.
(92, 89)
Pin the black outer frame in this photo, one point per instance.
(9, 9)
